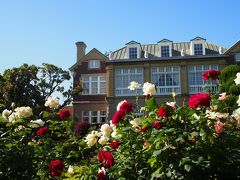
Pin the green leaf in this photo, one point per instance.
(187, 167)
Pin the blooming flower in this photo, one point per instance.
(119, 104)
(115, 144)
(200, 99)
(211, 74)
(149, 89)
(13, 117)
(56, 167)
(106, 130)
(134, 85)
(102, 174)
(64, 113)
(41, 131)
(70, 170)
(118, 116)
(135, 122)
(52, 102)
(38, 121)
(223, 96)
(165, 111)
(106, 158)
(20, 127)
(103, 140)
(6, 113)
(195, 116)
(92, 138)
(173, 104)
(23, 112)
(81, 128)
(157, 124)
(126, 107)
(236, 114)
(237, 80)
(219, 127)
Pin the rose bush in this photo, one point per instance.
(198, 140)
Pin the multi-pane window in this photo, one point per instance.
(133, 53)
(123, 78)
(237, 56)
(94, 117)
(94, 64)
(166, 79)
(195, 80)
(94, 84)
(198, 49)
(164, 51)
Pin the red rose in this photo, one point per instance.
(106, 158)
(126, 107)
(41, 131)
(219, 127)
(165, 111)
(64, 113)
(211, 74)
(115, 144)
(81, 127)
(118, 116)
(157, 124)
(101, 176)
(200, 99)
(56, 167)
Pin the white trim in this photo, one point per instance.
(197, 41)
(160, 44)
(94, 64)
(138, 46)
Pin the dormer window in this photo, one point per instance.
(164, 51)
(197, 46)
(133, 53)
(133, 50)
(237, 56)
(94, 64)
(165, 48)
(198, 49)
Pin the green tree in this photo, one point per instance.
(32, 85)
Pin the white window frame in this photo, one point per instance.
(197, 41)
(90, 116)
(133, 45)
(94, 64)
(205, 85)
(166, 70)
(127, 75)
(90, 84)
(198, 51)
(165, 43)
(237, 56)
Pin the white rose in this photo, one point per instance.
(119, 104)
(149, 88)
(24, 112)
(92, 138)
(134, 85)
(52, 102)
(102, 140)
(171, 104)
(6, 113)
(13, 117)
(102, 170)
(195, 116)
(106, 130)
(135, 122)
(70, 169)
(211, 115)
(236, 114)
(237, 80)
(38, 121)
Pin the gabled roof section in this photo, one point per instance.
(132, 42)
(234, 48)
(86, 56)
(164, 40)
(198, 38)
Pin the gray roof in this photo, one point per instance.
(153, 50)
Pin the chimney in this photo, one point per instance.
(81, 47)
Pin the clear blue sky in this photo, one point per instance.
(34, 32)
